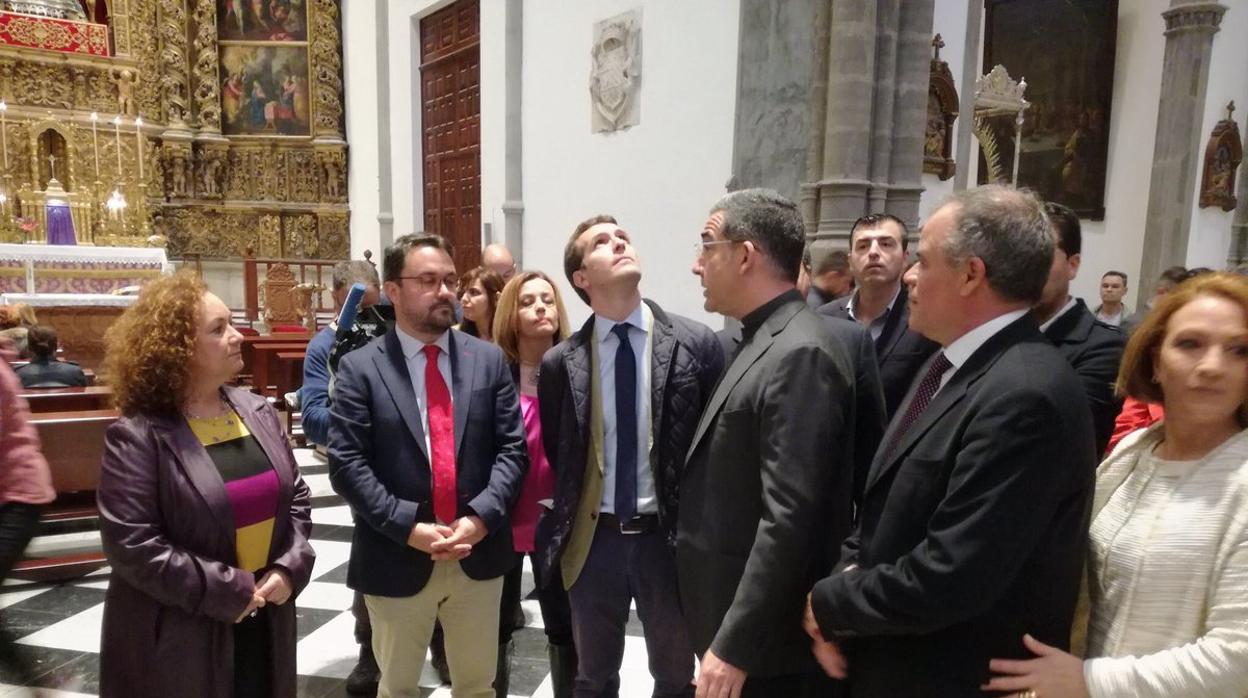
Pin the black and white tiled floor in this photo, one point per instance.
(58, 625)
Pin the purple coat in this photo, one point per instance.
(168, 532)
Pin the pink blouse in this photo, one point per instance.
(539, 483)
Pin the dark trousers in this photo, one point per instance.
(363, 626)
(253, 657)
(551, 598)
(774, 686)
(618, 569)
(18, 523)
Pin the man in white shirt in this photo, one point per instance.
(1112, 310)
(973, 522)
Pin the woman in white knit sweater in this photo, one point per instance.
(1168, 544)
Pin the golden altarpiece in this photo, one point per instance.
(212, 127)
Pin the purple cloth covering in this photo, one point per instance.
(60, 225)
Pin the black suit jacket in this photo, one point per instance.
(377, 460)
(899, 351)
(1094, 349)
(766, 482)
(51, 374)
(972, 531)
(869, 414)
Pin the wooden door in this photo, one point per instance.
(450, 94)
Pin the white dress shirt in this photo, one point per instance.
(640, 335)
(414, 354)
(963, 347)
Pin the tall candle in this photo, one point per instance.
(4, 134)
(117, 138)
(95, 144)
(138, 135)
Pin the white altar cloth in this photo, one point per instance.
(44, 300)
(85, 253)
(77, 270)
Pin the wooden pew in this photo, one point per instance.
(73, 444)
(94, 397)
(266, 361)
(250, 344)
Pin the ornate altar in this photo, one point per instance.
(207, 126)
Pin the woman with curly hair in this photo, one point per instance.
(478, 295)
(203, 515)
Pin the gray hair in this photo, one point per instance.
(1008, 230)
(770, 221)
(347, 273)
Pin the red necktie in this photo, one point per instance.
(441, 438)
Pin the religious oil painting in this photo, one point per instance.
(262, 20)
(1065, 51)
(264, 91)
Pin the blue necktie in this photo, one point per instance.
(625, 426)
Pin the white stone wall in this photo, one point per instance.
(657, 178)
(1210, 237)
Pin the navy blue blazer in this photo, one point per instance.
(378, 463)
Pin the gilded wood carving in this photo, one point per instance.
(279, 185)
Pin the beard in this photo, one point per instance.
(439, 318)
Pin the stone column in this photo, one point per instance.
(909, 126)
(847, 120)
(513, 189)
(1238, 254)
(875, 113)
(1190, 26)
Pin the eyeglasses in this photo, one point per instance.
(429, 282)
(700, 247)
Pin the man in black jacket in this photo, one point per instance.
(768, 479)
(974, 517)
(869, 411)
(619, 401)
(877, 257)
(44, 370)
(1093, 348)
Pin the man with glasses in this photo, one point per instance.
(765, 497)
(426, 443)
(619, 401)
(877, 257)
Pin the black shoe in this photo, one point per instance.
(502, 674)
(563, 664)
(363, 679)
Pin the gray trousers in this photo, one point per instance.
(621, 568)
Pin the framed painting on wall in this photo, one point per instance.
(265, 91)
(262, 20)
(1065, 51)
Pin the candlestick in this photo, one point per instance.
(117, 138)
(95, 144)
(4, 134)
(138, 134)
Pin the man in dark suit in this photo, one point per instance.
(974, 517)
(877, 257)
(426, 443)
(1092, 347)
(869, 411)
(617, 419)
(768, 476)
